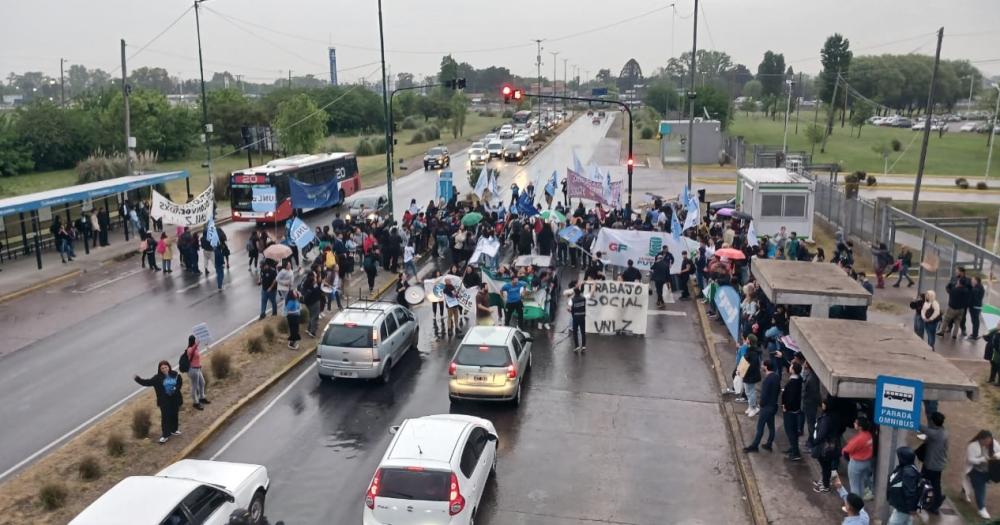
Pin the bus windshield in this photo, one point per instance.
(522, 117)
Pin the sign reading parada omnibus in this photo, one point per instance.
(898, 401)
(615, 307)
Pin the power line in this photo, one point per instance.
(610, 25)
(255, 35)
(866, 48)
(708, 29)
(155, 38)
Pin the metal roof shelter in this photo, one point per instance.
(82, 192)
(808, 283)
(33, 202)
(848, 356)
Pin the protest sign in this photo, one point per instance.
(464, 297)
(263, 199)
(617, 247)
(194, 213)
(616, 307)
(488, 246)
(300, 233)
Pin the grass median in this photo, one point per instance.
(64, 482)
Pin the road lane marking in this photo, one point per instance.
(105, 282)
(267, 408)
(99, 415)
(672, 313)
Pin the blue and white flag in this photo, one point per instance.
(693, 213)
(524, 206)
(571, 233)
(606, 189)
(752, 236)
(264, 199)
(685, 195)
(494, 191)
(211, 233)
(300, 233)
(578, 166)
(312, 196)
(482, 183)
(550, 186)
(675, 226)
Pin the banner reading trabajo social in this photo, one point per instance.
(616, 307)
(194, 213)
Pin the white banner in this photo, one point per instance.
(618, 246)
(486, 246)
(194, 213)
(434, 292)
(615, 307)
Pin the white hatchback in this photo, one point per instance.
(433, 473)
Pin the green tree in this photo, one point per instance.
(167, 131)
(300, 124)
(152, 78)
(715, 103)
(753, 89)
(228, 111)
(57, 138)
(449, 69)
(404, 80)
(860, 114)
(748, 105)
(15, 157)
(771, 73)
(661, 96)
(836, 56)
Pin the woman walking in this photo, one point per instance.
(167, 384)
(293, 311)
(194, 373)
(252, 252)
(370, 265)
(978, 454)
(165, 250)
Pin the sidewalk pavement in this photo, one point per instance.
(21, 275)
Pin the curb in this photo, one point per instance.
(230, 412)
(754, 501)
(38, 286)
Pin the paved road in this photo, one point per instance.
(69, 352)
(628, 433)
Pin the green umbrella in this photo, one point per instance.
(472, 218)
(553, 214)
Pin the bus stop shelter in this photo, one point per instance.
(849, 356)
(798, 283)
(40, 207)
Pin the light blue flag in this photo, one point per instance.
(675, 226)
(578, 166)
(752, 236)
(550, 187)
(211, 233)
(685, 196)
(300, 233)
(693, 213)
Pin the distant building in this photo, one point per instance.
(333, 66)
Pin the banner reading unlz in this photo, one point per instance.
(194, 213)
(615, 307)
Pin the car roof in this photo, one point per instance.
(429, 440)
(489, 335)
(136, 499)
(495, 142)
(362, 312)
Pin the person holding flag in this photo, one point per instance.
(212, 237)
(675, 227)
(524, 206)
(550, 189)
(482, 184)
(752, 240)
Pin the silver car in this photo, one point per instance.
(490, 365)
(365, 340)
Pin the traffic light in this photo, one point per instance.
(458, 83)
(631, 163)
(507, 92)
(517, 95)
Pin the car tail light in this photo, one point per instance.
(511, 372)
(452, 368)
(373, 489)
(455, 500)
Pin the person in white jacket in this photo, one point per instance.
(978, 454)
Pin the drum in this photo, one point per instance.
(327, 289)
(414, 295)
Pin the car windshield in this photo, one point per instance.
(519, 140)
(477, 355)
(477, 145)
(415, 484)
(348, 336)
(435, 151)
(495, 145)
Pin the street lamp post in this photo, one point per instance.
(390, 153)
(788, 108)
(204, 102)
(993, 129)
(388, 117)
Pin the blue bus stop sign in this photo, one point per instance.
(446, 187)
(898, 401)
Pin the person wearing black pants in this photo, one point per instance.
(826, 446)
(791, 405)
(659, 273)
(935, 457)
(976, 308)
(578, 311)
(167, 384)
(769, 391)
(512, 298)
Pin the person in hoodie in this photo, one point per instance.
(903, 491)
(167, 384)
(978, 454)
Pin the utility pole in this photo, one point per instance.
(829, 123)
(387, 116)
(788, 109)
(798, 105)
(206, 127)
(290, 78)
(62, 84)
(554, 62)
(847, 95)
(565, 85)
(691, 95)
(927, 125)
(128, 123)
(239, 80)
(989, 147)
(538, 62)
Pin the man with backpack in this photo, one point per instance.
(904, 489)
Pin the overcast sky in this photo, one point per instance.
(262, 40)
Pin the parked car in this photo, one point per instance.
(435, 471)
(491, 137)
(490, 364)
(437, 158)
(365, 340)
(512, 152)
(495, 148)
(190, 491)
(478, 154)
(902, 122)
(968, 127)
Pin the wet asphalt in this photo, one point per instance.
(628, 433)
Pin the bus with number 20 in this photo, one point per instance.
(310, 169)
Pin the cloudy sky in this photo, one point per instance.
(262, 40)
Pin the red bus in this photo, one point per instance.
(311, 169)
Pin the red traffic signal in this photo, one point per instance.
(631, 162)
(506, 91)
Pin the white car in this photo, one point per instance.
(478, 154)
(190, 491)
(433, 473)
(495, 148)
(968, 127)
(506, 131)
(491, 137)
